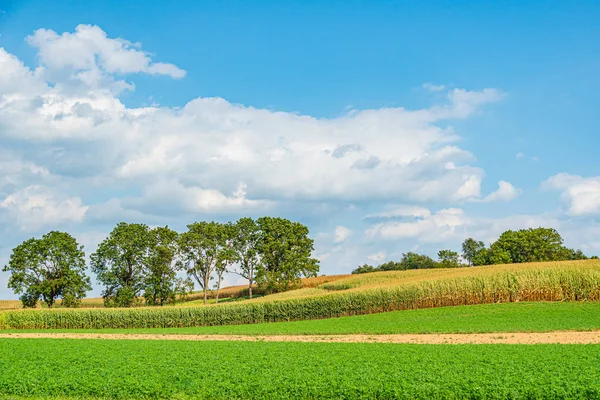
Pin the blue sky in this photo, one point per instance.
(384, 126)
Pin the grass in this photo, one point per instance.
(261, 370)
(506, 317)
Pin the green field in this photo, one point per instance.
(506, 317)
(260, 370)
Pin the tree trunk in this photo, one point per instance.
(250, 287)
(205, 290)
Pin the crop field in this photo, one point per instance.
(562, 281)
(222, 370)
(506, 317)
(10, 305)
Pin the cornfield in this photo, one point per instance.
(527, 285)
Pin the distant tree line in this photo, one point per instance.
(137, 262)
(526, 245)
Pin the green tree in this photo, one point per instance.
(160, 269)
(120, 263)
(391, 266)
(471, 249)
(285, 250)
(245, 249)
(202, 248)
(528, 245)
(363, 269)
(576, 254)
(448, 259)
(49, 268)
(412, 260)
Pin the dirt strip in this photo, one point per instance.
(561, 337)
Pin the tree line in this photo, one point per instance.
(138, 262)
(525, 245)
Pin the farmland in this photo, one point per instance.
(507, 317)
(540, 297)
(370, 293)
(220, 370)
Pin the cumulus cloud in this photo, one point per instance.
(402, 210)
(452, 225)
(377, 257)
(436, 227)
(505, 192)
(36, 206)
(581, 195)
(341, 233)
(208, 146)
(89, 49)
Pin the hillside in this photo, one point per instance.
(348, 295)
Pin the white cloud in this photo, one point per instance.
(377, 257)
(520, 156)
(89, 49)
(431, 228)
(433, 88)
(210, 145)
(34, 207)
(341, 233)
(505, 192)
(582, 195)
(402, 211)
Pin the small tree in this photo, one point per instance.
(285, 250)
(49, 268)
(202, 248)
(160, 269)
(120, 262)
(245, 238)
(471, 248)
(448, 259)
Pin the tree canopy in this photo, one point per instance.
(47, 269)
(119, 263)
(285, 250)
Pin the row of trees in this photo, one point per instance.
(410, 260)
(136, 261)
(526, 245)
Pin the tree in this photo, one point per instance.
(363, 269)
(160, 269)
(528, 245)
(245, 249)
(285, 250)
(202, 248)
(49, 268)
(120, 263)
(471, 248)
(412, 260)
(448, 259)
(227, 256)
(183, 288)
(391, 266)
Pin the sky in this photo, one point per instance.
(385, 127)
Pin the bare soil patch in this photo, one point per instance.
(560, 337)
